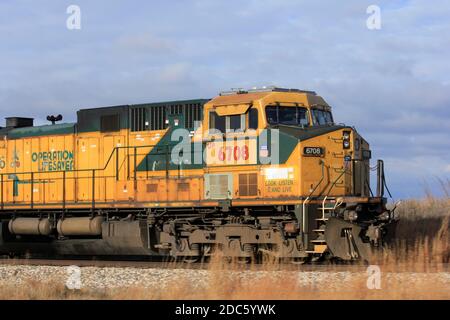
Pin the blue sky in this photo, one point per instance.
(392, 84)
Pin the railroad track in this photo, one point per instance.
(101, 263)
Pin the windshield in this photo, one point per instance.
(321, 117)
(293, 116)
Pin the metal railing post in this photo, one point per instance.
(1, 191)
(135, 163)
(117, 164)
(32, 190)
(93, 189)
(128, 165)
(353, 176)
(380, 174)
(64, 190)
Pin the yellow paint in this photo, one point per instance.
(228, 110)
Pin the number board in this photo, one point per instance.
(313, 151)
(231, 152)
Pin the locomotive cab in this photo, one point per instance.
(302, 127)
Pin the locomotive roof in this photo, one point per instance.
(150, 104)
(45, 130)
(307, 98)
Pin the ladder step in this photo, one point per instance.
(318, 241)
(319, 230)
(321, 219)
(326, 208)
(318, 248)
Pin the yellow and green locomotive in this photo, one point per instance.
(262, 172)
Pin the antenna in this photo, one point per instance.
(53, 119)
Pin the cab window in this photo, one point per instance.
(321, 117)
(293, 116)
(253, 119)
(216, 122)
(235, 122)
(229, 123)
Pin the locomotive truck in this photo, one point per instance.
(254, 174)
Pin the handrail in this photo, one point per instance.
(115, 151)
(328, 193)
(307, 198)
(323, 206)
(64, 178)
(334, 183)
(89, 169)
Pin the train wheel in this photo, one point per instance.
(244, 260)
(190, 260)
(267, 255)
(249, 250)
(227, 259)
(298, 261)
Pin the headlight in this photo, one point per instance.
(352, 215)
(346, 139)
(385, 216)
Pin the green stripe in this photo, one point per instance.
(48, 130)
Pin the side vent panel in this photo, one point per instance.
(218, 186)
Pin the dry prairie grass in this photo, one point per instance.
(353, 287)
(415, 267)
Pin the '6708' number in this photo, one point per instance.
(233, 153)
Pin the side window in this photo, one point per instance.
(253, 119)
(226, 123)
(235, 122)
(216, 122)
